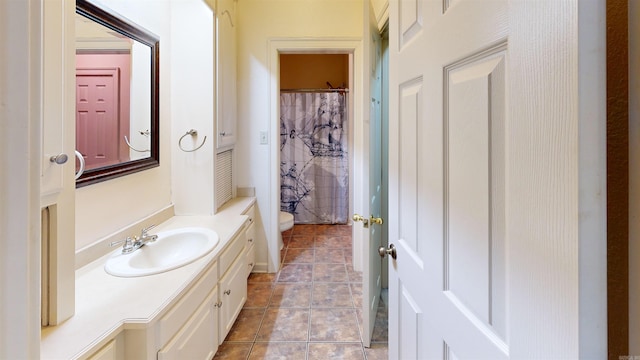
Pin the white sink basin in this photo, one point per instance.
(172, 249)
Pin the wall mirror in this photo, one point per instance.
(117, 86)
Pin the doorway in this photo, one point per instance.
(315, 138)
(352, 50)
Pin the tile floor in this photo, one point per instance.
(310, 309)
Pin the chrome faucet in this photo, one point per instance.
(132, 244)
(145, 237)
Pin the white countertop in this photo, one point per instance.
(106, 304)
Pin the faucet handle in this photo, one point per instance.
(127, 247)
(144, 231)
(114, 243)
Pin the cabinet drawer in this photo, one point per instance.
(176, 317)
(251, 213)
(232, 251)
(250, 259)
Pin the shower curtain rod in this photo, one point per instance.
(312, 90)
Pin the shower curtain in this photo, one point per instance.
(313, 157)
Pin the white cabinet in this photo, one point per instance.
(226, 73)
(250, 256)
(199, 320)
(250, 235)
(232, 289)
(108, 352)
(196, 339)
(58, 125)
(187, 334)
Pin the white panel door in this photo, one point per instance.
(372, 167)
(447, 157)
(451, 190)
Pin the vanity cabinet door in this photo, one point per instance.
(197, 339)
(250, 259)
(178, 315)
(58, 139)
(226, 73)
(233, 295)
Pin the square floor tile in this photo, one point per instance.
(339, 325)
(302, 242)
(381, 326)
(246, 326)
(304, 229)
(299, 256)
(354, 276)
(377, 352)
(233, 351)
(278, 350)
(284, 325)
(332, 241)
(331, 295)
(356, 292)
(330, 273)
(335, 229)
(258, 294)
(321, 351)
(291, 296)
(329, 256)
(262, 277)
(296, 273)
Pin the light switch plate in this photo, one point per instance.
(263, 138)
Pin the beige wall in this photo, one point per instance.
(259, 22)
(313, 71)
(107, 207)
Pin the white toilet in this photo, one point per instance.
(285, 221)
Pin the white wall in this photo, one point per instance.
(105, 208)
(259, 21)
(192, 88)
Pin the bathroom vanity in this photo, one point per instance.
(183, 313)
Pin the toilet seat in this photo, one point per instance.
(285, 220)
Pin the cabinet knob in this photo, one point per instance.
(227, 292)
(218, 304)
(251, 240)
(59, 159)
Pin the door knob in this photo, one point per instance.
(390, 251)
(376, 220)
(365, 221)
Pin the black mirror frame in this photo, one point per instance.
(100, 16)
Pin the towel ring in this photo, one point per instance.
(191, 132)
(131, 147)
(81, 159)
